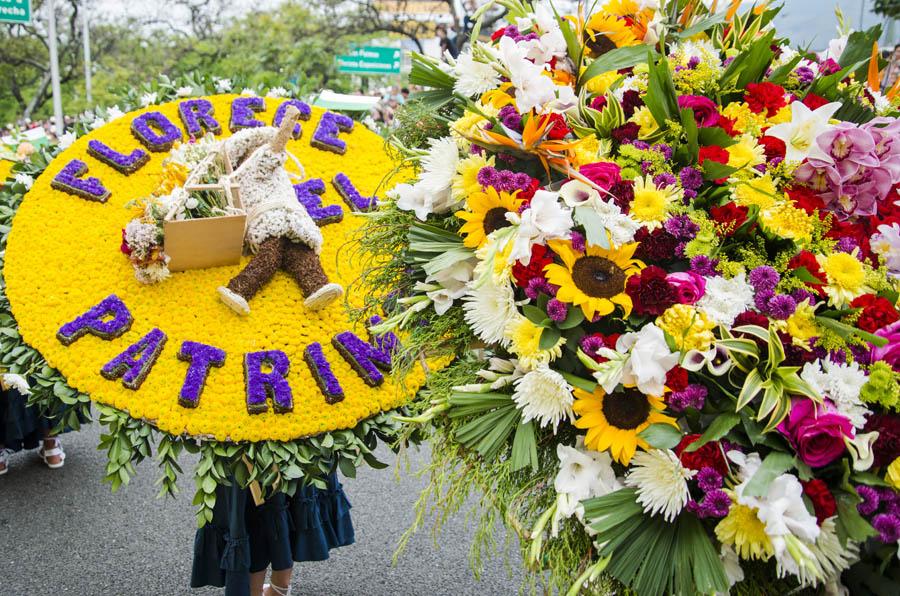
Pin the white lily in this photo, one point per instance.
(799, 135)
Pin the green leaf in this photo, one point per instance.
(574, 318)
(846, 331)
(616, 59)
(347, 468)
(803, 274)
(700, 26)
(524, 448)
(578, 382)
(689, 122)
(661, 436)
(713, 170)
(714, 135)
(717, 429)
(661, 98)
(753, 384)
(868, 478)
(594, 230)
(549, 338)
(775, 464)
(849, 522)
(534, 314)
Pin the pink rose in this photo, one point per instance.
(602, 173)
(816, 432)
(705, 111)
(890, 352)
(689, 286)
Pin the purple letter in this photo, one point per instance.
(260, 385)
(135, 363)
(351, 196)
(363, 357)
(108, 319)
(308, 193)
(321, 372)
(143, 127)
(243, 110)
(330, 125)
(127, 164)
(305, 113)
(69, 180)
(197, 114)
(201, 358)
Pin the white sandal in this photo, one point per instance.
(279, 591)
(56, 450)
(4, 461)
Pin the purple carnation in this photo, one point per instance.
(510, 118)
(764, 278)
(888, 527)
(716, 503)
(682, 227)
(664, 149)
(537, 286)
(782, 306)
(578, 241)
(692, 396)
(870, 500)
(708, 479)
(691, 178)
(557, 311)
(705, 266)
(761, 300)
(664, 179)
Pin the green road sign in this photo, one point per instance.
(370, 60)
(15, 11)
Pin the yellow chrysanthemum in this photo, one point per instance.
(595, 280)
(743, 530)
(745, 120)
(801, 325)
(788, 221)
(846, 277)
(746, 153)
(525, 341)
(614, 421)
(600, 84)
(497, 98)
(173, 176)
(781, 116)
(585, 151)
(467, 125)
(465, 182)
(651, 204)
(643, 117)
(761, 192)
(486, 212)
(689, 327)
(893, 474)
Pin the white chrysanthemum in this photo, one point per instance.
(545, 396)
(841, 383)
(661, 482)
(223, 85)
(277, 92)
(473, 77)
(489, 309)
(25, 180)
(140, 236)
(725, 299)
(148, 98)
(185, 91)
(439, 165)
(152, 273)
(17, 382)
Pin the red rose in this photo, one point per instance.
(888, 210)
(822, 500)
(650, 292)
(806, 199)
(877, 312)
(557, 128)
(773, 147)
(540, 258)
(730, 217)
(765, 97)
(677, 379)
(604, 174)
(813, 101)
(708, 456)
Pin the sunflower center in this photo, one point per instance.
(627, 409)
(494, 220)
(598, 277)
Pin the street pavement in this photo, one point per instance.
(64, 532)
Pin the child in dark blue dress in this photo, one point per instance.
(244, 540)
(25, 427)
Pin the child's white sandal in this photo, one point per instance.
(4, 461)
(55, 451)
(279, 591)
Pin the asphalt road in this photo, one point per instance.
(64, 532)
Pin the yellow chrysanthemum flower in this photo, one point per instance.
(761, 192)
(689, 327)
(465, 182)
(467, 125)
(486, 212)
(746, 153)
(893, 474)
(745, 120)
(781, 116)
(585, 151)
(173, 176)
(846, 277)
(525, 340)
(497, 98)
(600, 84)
(788, 221)
(651, 204)
(802, 324)
(614, 421)
(595, 280)
(643, 117)
(743, 530)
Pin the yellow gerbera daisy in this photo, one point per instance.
(595, 280)
(486, 213)
(614, 421)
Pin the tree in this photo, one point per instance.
(887, 8)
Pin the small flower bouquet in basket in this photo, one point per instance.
(193, 220)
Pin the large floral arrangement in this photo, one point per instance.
(664, 246)
(168, 366)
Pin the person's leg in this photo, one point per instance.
(280, 583)
(253, 276)
(302, 263)
(257, 580)
(4, 460)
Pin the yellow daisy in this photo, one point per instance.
(525, 342)
(465, 181)
(742, 529)
(595, 280)
(651, 204)
(846, 277)
(486, 212)
(614, 421)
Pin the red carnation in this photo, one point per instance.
(773, 147)
(877, 312)
(730, 217)
(708, 456)
(655, 246)
(813, 101)
(598, 103)
(540, 258)
(765, 97)
(727, 124)
(677, 379)
(822, 500)
(650, 292)
(528, 193)
(887, 446)
(498, 33)
(806, 259)
(713, 152)
(626, 133)
(557, 129)
(806, 199)
(888, 210)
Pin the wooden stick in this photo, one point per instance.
(286, 130)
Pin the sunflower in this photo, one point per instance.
(486, 213)
(614, 421)
(605, 32)
(594, 280)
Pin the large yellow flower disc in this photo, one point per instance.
(63, 257)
